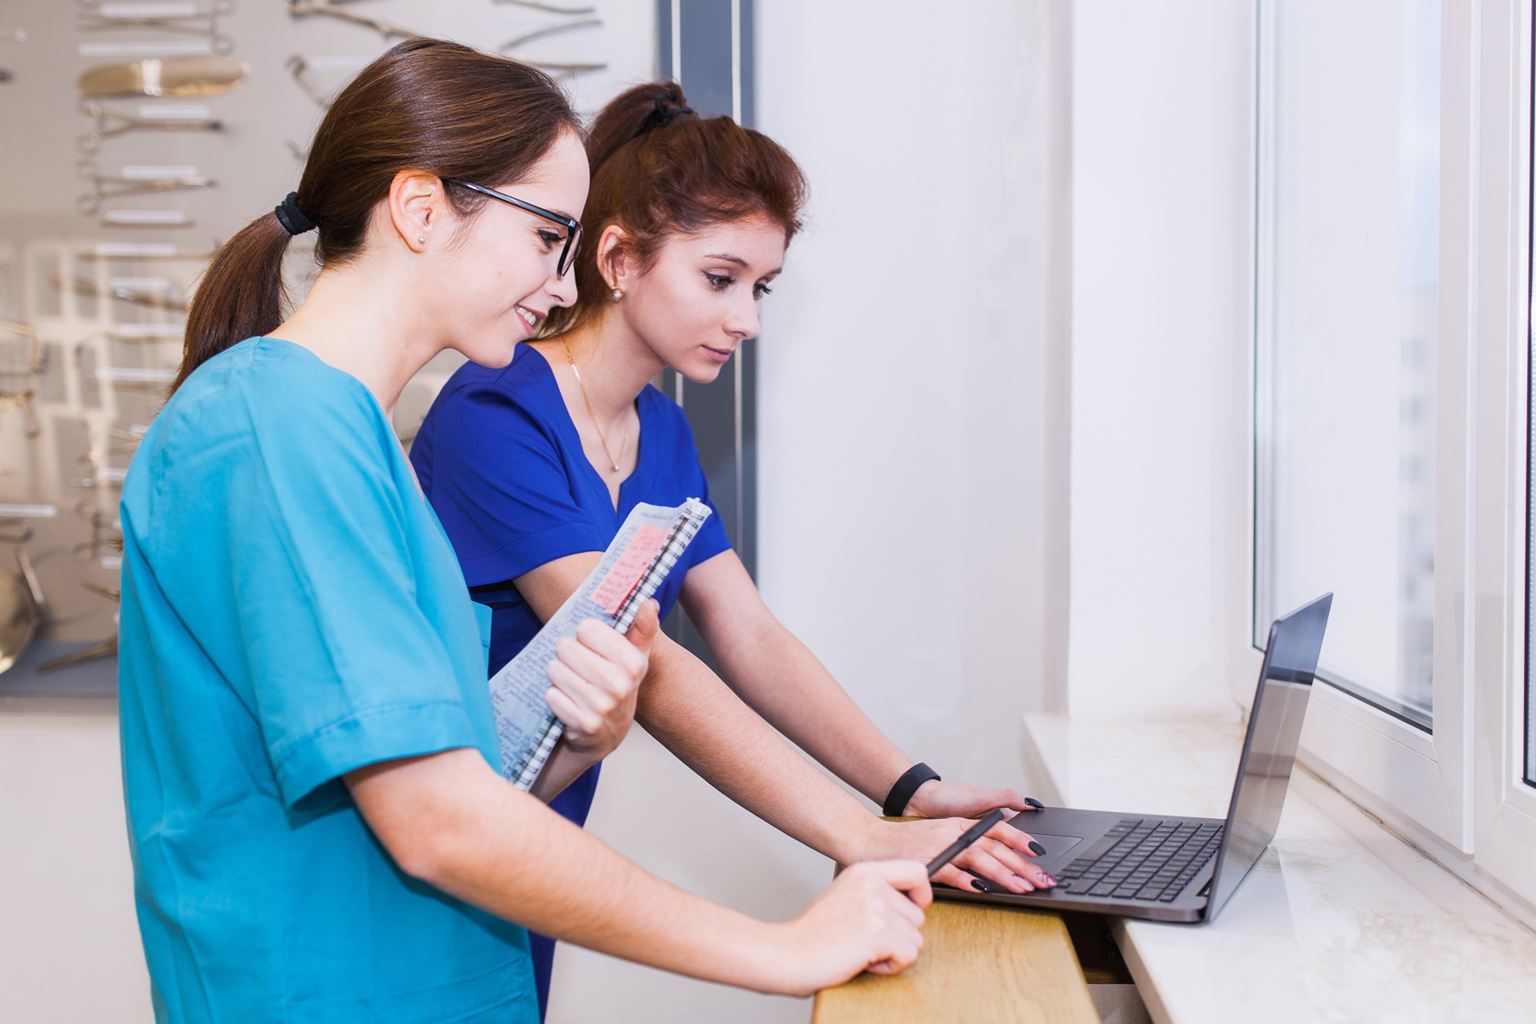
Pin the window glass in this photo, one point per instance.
(1345, 410)
(1530, 525)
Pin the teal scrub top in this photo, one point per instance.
(291, 611)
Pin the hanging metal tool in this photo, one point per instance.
(332, 9)
(300, 71)
(551, 8)
(174, 77)
(104, 649)
(110, 123)
(137, 296)
(33, 366)
(548, 30)
(106, 186)
(31, 429)
(178, 18)
(558, 68)
(130, 444)
(105, 534)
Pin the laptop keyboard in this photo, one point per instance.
(1147, 860)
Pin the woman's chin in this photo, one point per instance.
(492, 357)
(701, 373)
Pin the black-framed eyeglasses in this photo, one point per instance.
(571, 225)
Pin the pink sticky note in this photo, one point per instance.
(631, 565)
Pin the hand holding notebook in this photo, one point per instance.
(643, 552)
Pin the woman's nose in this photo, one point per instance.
(743, 323)
(562, 289)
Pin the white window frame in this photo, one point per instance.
(1457, 792)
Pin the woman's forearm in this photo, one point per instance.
(779, 677)
(686, 706)
(563, 768)
(451, 821)
(784, 682)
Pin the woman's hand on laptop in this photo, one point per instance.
(1002, 856)
(935, 799)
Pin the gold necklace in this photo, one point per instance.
(624, 441)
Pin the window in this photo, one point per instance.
(1395, 411)
(1346, 372)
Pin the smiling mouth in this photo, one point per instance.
(530, 316)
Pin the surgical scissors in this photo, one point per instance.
(551, 8)
(556, 67)
(330, 8)
(97, 17)
(110, 123)
(104, 186)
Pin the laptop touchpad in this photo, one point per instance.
(1055, 845)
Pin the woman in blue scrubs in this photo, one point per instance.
(317, 828)
(532, 467)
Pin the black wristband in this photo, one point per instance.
(896, 801)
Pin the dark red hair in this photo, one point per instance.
(659, 169)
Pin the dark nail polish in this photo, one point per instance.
(980, 886)
(1036, 804)
(1050, 881)
(1037, 848)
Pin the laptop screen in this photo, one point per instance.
(1274, 730)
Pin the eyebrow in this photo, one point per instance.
(729, 258)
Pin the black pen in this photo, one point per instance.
(972, 834)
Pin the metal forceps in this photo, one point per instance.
(105, 186)
(331, 8)
(183, 18)
(300, 71)
(34, 365)
(90, 289)
(129, 444)
(558, 68)
(551, 8)
(102, 648)
(106, 535)
(31, 429)
(110, 123)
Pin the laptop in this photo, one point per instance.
(1169, 868)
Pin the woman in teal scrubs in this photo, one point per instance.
(317, 830)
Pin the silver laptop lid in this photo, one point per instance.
(1274, 730)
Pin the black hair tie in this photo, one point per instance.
(662, 115)
(291, 217)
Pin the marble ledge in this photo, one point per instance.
(1339, 921)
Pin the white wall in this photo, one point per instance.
(69, 942)
(1162, 102)
(904, 362)
(903, 424)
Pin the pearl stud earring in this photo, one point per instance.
(617, 293)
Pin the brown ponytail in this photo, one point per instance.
(427, 105)
(658, 169)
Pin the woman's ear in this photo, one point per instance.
(418, 209)
(614, 260)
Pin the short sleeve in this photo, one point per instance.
(501, 487)
(345, 667)
(692, 482)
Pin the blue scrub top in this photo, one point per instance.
(291, 611)
(502, 463)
